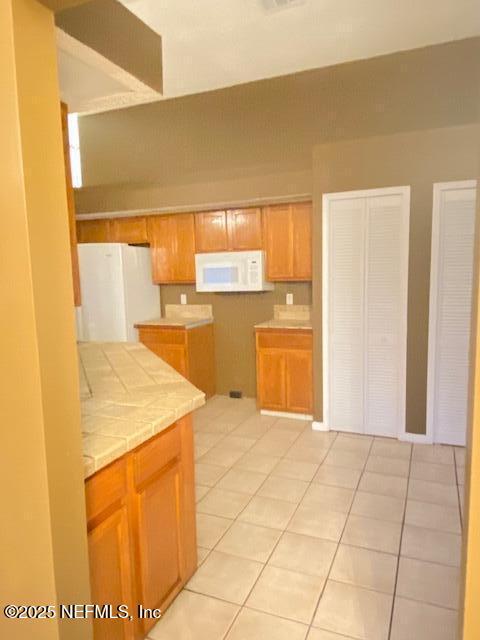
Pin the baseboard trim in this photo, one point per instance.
(319, 426)
(287, 414)
(416, 438)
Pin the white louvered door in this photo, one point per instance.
(453, 228)
(365, 303)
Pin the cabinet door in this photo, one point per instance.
(161, 233)
(211, 231)
(302, 241)
(94, 231)
(184, 250)
(278, 242)
(130, 230)
(174, 355)
(110, 573)
(299, 382)
(160, 563)
(244, 229)
(271, 382)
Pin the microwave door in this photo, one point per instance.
(220, 277)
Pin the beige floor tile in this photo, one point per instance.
(210, 529)
(255, 625)
(351, 442)
(309, 520)
(242, 481)
(195, 617)
(249, 541)
(321, 634)
(431, 546)
(433, 516)
(365, 568)
(208, 474)
(383, 485)
(200, 451)
(227, 504)
(305, 453)
(391, 448)
(433, 583)
(326, 497)
(349, 459)
(268, 512)
(461, 476)
(292, 424)
(442, 473)
(295, 469)
(436, 453)
(460, 455)
(318, 439)
(353, 611)
(257, 462)
(201, 491)
(378, 535)
(373, 505)
(287, 489)
(202, 553)
(239, 443)
(286, 593)
(207, 439)
(254, 427)
(388, 466)
(221, 456)
(226, 577)
(306, 554)
(419, 621)
(434, 492)
(338, 476)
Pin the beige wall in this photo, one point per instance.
(256, 139)
(417, 159)
(235, 315)
(43, 530)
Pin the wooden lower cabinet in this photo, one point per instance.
(284, 370)
(191, 352)
(141, 529)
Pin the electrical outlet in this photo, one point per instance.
(289, 298)
(183, 298)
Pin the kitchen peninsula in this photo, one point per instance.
(138, 456)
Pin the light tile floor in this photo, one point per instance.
(318, 536)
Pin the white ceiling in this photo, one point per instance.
(208, 44)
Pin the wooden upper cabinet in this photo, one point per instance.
(288, 241)
(244, 227)
(130, 230)
(172, 242)
(94, 230)
(71, 207)
(232, 230)
(211, 231)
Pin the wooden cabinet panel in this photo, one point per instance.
(284, 370)
(211, 231)
(172, 242)
(159, 562)
(94, 231)
(271, 388)
(299, 384)
(288, 241)
(302, 240)
(130, 230)
(71, 208)
(168, 344)
(244, 229)
(110, 573)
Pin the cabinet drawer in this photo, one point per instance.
(284, 339)
(162, 336)
(150, 458)
(105, 488)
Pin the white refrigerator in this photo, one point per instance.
(117, 291)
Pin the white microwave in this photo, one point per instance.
(231, 271)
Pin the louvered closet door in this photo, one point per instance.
(346, 313)
(385, 305)
(450, 311)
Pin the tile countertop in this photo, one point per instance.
(288, 316)
(182, 315)
(128, 394)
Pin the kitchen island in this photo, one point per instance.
(139, 481)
